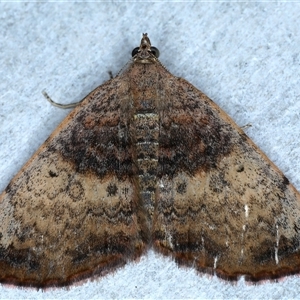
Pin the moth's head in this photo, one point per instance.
(145, 54)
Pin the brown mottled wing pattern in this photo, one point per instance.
(147, 159)
(222, 207)
(71, 212)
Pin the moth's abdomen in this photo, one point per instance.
(143, 104)
(146, 142)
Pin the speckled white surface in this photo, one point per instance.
(244, 56)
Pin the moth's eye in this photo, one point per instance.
(155, 51)
(135, 51)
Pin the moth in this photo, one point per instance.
(147, 160)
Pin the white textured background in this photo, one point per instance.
(245, 56)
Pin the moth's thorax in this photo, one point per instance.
(148, 58)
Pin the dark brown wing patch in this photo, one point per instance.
(239, 214)
(71, 212)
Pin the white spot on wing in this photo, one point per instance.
(276, 256)
(277, 244)
(246, 211)
(215, 262)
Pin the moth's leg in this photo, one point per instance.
(246, 126)
(111, 76)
